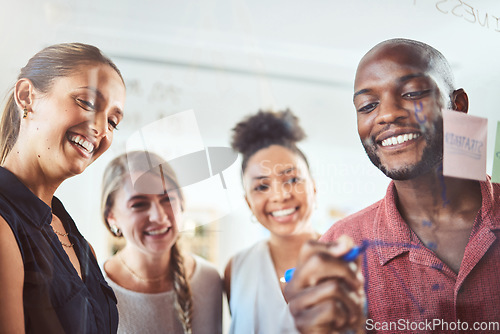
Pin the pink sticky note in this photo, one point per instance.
(464, 151)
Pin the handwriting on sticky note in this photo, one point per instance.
(464, 145)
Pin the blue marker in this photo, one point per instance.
(348, 257)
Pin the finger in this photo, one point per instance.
(337, 248)
(341, 246)
(322, 266)
(322, 318)
(309, 249)
(330, 292)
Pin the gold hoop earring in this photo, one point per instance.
(25, 112)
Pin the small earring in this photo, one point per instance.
(25, 112)
(116, 231)
(253, 219)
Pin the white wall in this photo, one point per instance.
(228, 58)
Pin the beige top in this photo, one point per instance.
(151, 313)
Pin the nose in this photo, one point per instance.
(158, 214)
(99, 123)
(390, 110)
(280, 191)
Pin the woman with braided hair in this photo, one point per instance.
(158, 289)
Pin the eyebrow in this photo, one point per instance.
(95, 90)
(99, 94)
(288, 170)
(137, 197)
(359, 92)
(283, 172)
(145, 197)
(400, 80)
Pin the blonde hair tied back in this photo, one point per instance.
(115, 176)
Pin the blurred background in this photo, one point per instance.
(217, 61)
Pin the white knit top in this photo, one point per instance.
(151, 313)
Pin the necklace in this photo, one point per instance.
(133, 273)
(65, 244)
(61, 234)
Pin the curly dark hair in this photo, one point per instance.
(264, 129)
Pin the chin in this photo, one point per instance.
(431, 157)
(76, 169)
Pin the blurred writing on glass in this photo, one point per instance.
(177, 139)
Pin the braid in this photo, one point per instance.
(183, 300)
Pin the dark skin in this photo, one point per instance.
(393, 82)
(389, 83)
(326, 294)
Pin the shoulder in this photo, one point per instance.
(206, 272)
(205, 267)
(12, 278)
(9, 235)
(252, 251)
(356, 225)
(11, 261)
(8, 240)
(206, 277)
(8, 214)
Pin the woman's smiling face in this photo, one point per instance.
(279, 190)
(71, 125)
(148, 221)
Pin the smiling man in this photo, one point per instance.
(432, 261)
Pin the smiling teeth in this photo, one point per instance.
(158, 231)
(281, 213)
(77, 139)
(399, 139)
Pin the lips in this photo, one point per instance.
(399, 139)
(81, 142)
(283, 212)
(395, 137)
(157, 231)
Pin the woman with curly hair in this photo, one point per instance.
(281, 194)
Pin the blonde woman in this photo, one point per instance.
(158, 289)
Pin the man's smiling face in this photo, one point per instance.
(398, 103)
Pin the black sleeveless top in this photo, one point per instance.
(55, 299)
